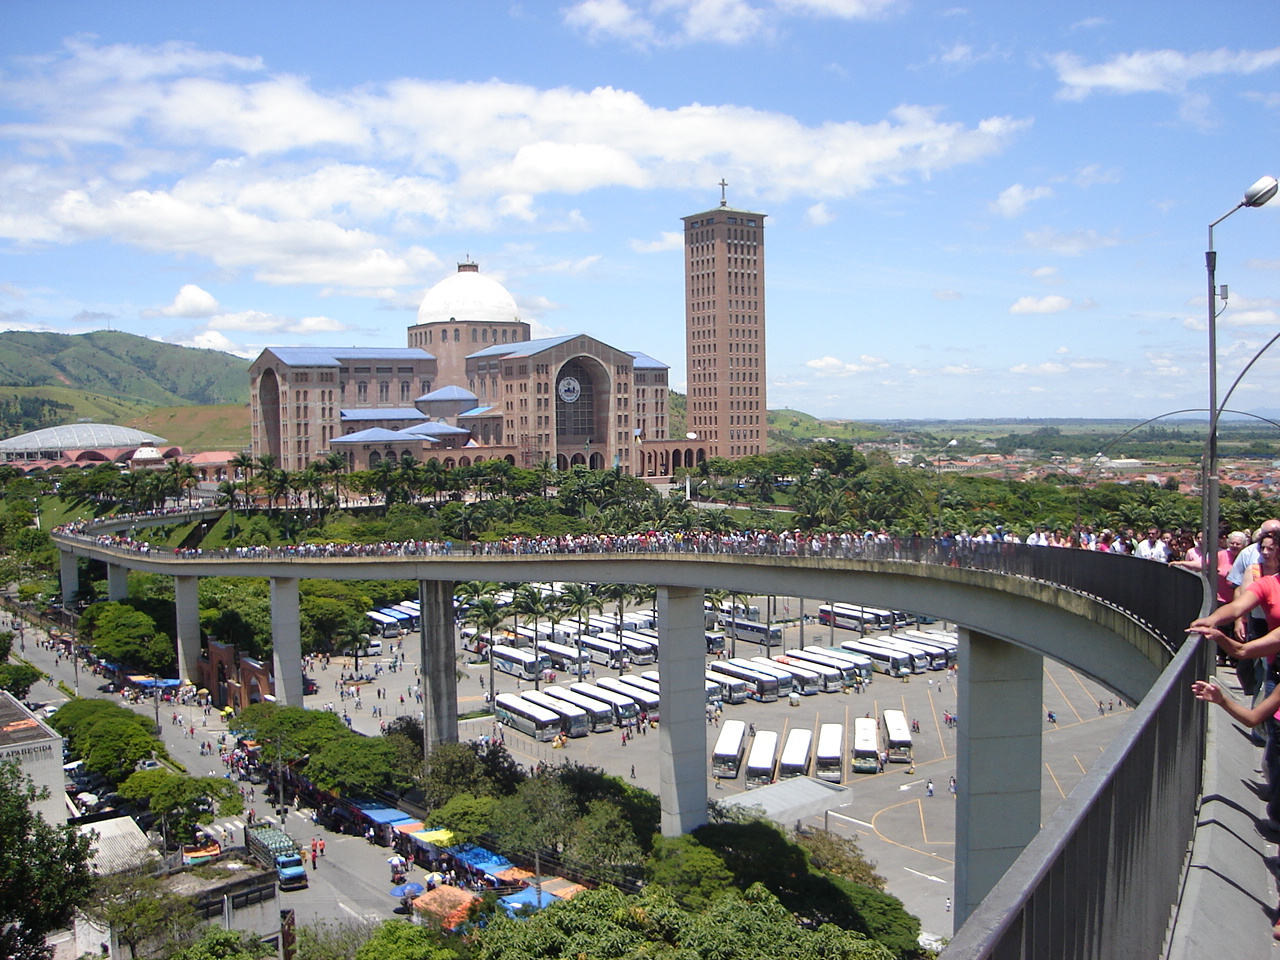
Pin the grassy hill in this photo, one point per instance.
(116, 364)
(220, 427)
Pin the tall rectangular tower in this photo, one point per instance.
(724, 330)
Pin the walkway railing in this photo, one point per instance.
(1100, 878)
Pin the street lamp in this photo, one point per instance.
(1257, 194)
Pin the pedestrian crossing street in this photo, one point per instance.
(229, 831)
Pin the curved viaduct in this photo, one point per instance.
(1115, 619)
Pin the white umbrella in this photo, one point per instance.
(87, 799)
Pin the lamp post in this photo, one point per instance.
(1257, 194)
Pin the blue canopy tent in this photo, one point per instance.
(527, 897)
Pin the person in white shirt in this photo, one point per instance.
(1153, 548)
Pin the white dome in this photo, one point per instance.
(468, 296)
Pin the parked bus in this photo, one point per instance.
(947, 645)
(760, 686)
(863, 668)
(522, 664)
(830, 758)
(830, 679)
(643, 682)
(625, 711)
(732, 689)
(573, 719)
(715, 642)
(604, 652)
(804, 681)
(566, 658)
(939, 657)
(726, 757)
(647, 701)
(885, 660)
(513, 710)
(414, 614)
(846, 672)
(866, 745)
(847, 617)
(795, 754)
(786, 682)
(635, 648)
(918, 659)
(639, 620)
(897, 736)
(384, 625)
(599, 715)
(743, 611)
(767, 634)
(761, 758)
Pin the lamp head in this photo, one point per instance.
(1261, 192)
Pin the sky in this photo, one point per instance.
(990, 211)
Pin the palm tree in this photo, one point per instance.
(618, 594)
(577, 600)
(532, 605)
(486, 616)
(226, 495)
(243, 464)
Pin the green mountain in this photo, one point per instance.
(120, 365)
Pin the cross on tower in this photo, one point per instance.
(723, 201)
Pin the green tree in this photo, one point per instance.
(841, 856)
(357, 766)
(44, 870)
(332, 941)
(183, 802)
(455, 769)
(18, 678)
(466, 816)
(604, 842)
(144, 915)
(537, 818)
(399, 940)
(694, 875)
(224, 945)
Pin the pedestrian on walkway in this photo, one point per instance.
(928, 788)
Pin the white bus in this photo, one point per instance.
(522, 664)
(803, 680)
(625, 711)
(866, 745)
(918, 659)
(794, 761)
(384, 625)
(934, 640)
(635, 648)
(897, 736)
(767, 634)
(413, 612)
(604, 652)
(786, 682)
(647, 701)
(939, 659)
(641, 681)
(573, 719)
(893, 662)
(726, 757)
(600, 715)
(862, 666)
(830, 760)
(847, 617)
(515, 711)
(715, 641)
(638, 620)
(743, 611)
(846, 672)
(566, 658)
(760, 686)
(732, 690)
(830, 679)
(761, 758)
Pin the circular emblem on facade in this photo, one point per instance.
(569, 389)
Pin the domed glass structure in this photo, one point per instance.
(76, 436)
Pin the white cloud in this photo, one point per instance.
(818, 215)
(1071, 244)
(843, 9)
(947, 295)
(950, 370)
(670, 240)
(1013, 200)
(399, 161)
(191, 302)
(1089, 23)
(254, 321)
(1050, 304)
(610, 19)
(1094, 174)
(213, 340)
(1046, 274)
(1048, 368)
(832, 367)
(1062, 351)
(1258, 264)
(1154, 71)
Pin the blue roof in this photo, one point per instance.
(523, 348)
(480, 411)
(433, 428)
(449, 393)
(386, 413)
(375, 433)
(645, 362)
(337, 357)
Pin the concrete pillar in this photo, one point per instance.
(682, 734)
(117, 582)
(286, 641)
(998, 763)
(70, 574)
(187, 606)
(439, 664)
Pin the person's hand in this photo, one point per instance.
(1201, 622)
(1242, 629)
(1212, 633)
(1207, 690)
